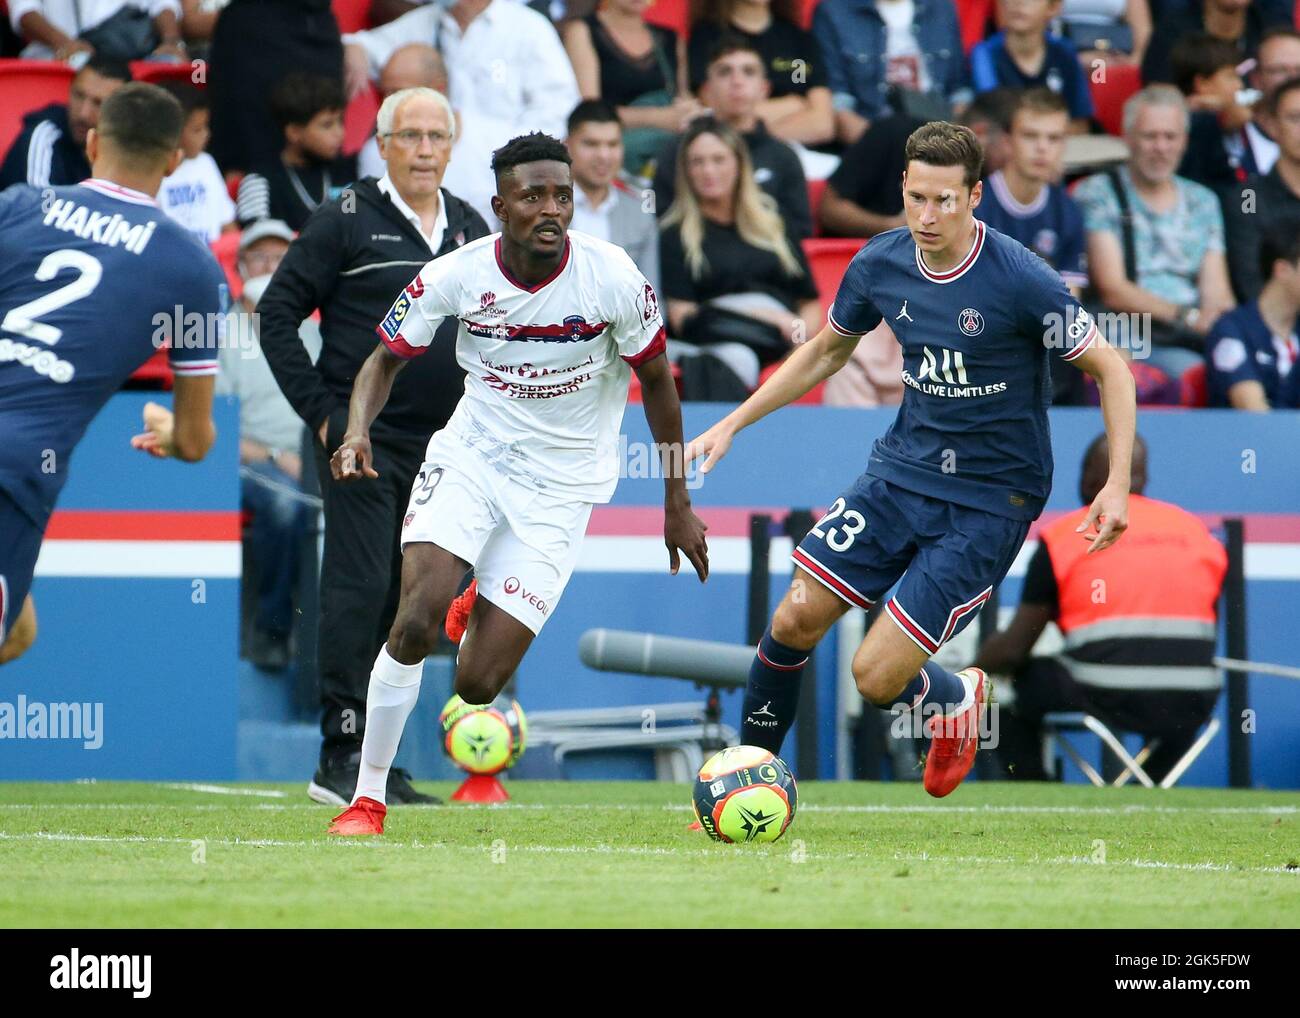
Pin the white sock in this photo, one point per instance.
(394, 688)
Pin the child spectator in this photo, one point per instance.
(195, 195)
(1252, 350)
(1205, 71)
(1023, 199)
(1026, 55)
(309, 172)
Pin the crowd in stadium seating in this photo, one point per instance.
(1148, 149)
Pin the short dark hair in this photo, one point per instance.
(529, 148)
(190, 96)
(142, 122)
(1279, 242)
(1039, 100)
(1199, 55)
(1279, 93)
(300, 96)
(593, 111)
(107, 67)
(940, 143)
(995, 107)
(731, 43)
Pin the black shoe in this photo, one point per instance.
(335, 781)
(401, 792)
(269, 651)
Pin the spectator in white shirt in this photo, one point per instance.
(603, 205)
(52, 28)
(416, 65)
(270, 446)
(195, 195)
(508, 75)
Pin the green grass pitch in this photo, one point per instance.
(620, 854)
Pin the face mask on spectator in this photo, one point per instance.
(254, 287)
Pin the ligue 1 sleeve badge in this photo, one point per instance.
(970, 321)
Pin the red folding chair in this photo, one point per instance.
(28, 85)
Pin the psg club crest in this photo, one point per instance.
(970, 321)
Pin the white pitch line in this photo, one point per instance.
(920, 808)
(767, 852)
(264, 793)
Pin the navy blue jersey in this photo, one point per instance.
(972, 427)
(1242, 348)
(991, 67)
(1051, 225)
(95, 278)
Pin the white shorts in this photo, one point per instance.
(522, 543)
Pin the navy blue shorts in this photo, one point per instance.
(20, 543)
(950, 557)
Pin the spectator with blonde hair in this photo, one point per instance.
(736, 282)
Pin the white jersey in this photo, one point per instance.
(546, 366)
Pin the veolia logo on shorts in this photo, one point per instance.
(513, 586)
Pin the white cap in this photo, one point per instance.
(264, 228)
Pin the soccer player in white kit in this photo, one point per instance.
(550, 324)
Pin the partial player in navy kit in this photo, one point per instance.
(950, 489)
(94, 275)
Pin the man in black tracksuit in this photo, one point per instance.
(353, 257)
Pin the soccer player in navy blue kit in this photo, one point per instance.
(94, 274)
(950, 489)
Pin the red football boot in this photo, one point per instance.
(954, 740)
(365, 816)
(458, 613)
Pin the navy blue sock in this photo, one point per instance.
(772, 694)
(932, 691)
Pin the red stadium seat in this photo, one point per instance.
(816, 188)
(674, 14)
(1109, 96)
(359, 120)
(808, 9)
(828, 257)
(156, 73)
(973, 19)
(352, 15)
(28, 85)
(1195, 388)
(232, 185)
(226, 249)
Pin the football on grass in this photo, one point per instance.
(483, 739)
(744, 794)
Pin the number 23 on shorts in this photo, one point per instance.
(841, 536)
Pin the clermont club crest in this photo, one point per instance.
(971, 322)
